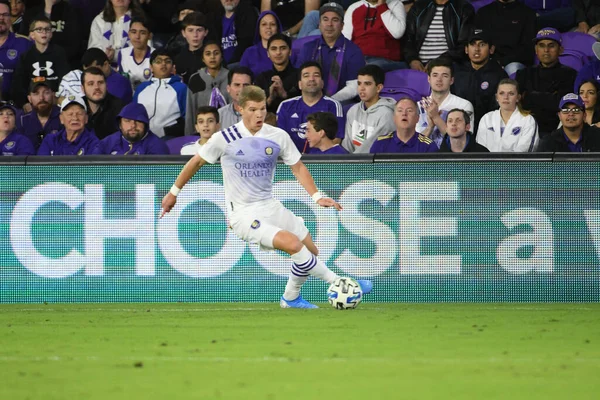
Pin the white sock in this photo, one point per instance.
(306, 262)
(292, 288)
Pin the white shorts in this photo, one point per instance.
(259, 224)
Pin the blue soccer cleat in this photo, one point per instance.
(366, 285)
(299, 302)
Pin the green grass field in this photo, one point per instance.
(259, 351)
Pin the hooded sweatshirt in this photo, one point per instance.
(255, 57)
(364, 126)
(165, 102)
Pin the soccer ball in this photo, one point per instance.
(344, 293)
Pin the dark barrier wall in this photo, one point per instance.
(502, 228)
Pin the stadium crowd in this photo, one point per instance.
(129, 77)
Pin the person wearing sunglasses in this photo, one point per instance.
(574, 135)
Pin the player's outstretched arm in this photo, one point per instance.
(303, 176)
(189, 170)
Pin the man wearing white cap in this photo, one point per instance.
(74, 138)
(574, 135)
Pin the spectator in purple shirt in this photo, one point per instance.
(11, 48)
(134, 136)
(255, 57)
(44, 118)
(12, 143)
(405, 139)
(321, 129)
(340, 59)
(75, 139)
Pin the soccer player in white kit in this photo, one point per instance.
(248, 152)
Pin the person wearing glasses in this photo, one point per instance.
(11, 48)
(45, 60)
(574, 135)
(67, 27)
(164, 96)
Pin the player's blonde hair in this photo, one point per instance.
(252, 93)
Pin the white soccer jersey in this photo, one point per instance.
(135, 72)
(249, 161)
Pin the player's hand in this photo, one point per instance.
(168, 202)
(328, 202)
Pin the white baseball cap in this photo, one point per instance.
(72, 99)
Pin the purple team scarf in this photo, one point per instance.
(217, 99)
(333, 80)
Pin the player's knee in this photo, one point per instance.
(288, 242)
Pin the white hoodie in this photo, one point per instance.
(363, 127)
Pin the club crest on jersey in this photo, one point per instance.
(269, 151)
(12, 54)
(9, 145)
(80, 152)
(516, 130)
(484, 85)
(147, 73)
(255, 224)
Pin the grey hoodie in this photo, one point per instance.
(200, 87)
(363, 127)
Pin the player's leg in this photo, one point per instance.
(365, 284)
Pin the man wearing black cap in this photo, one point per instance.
(44, 116)
(477, 78)
(543, 85)
(134, 136)
(575, 135)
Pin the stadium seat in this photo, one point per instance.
(405, 82)
(297, 44)
(477, 4)
(581, 43)
(177, 143)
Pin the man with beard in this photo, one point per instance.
(75, 139)
(234, 27)
(575, 135)
(133, 137)
(11, 48)
(477, 78)
(102, 106)
(292, 113)
(44, 118)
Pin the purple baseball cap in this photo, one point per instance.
(571, 98)
(548, 34)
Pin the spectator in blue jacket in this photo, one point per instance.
(74, 139)
(164, 96)
(134, 136)
(12, 143)
(590, 71)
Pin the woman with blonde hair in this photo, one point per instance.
(510, 128)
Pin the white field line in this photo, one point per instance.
(268, 359)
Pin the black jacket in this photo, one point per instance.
(542, 89)
(66, 23)
(289, 78)
(478, 86)
(472, 145)
(50, 66)
(104, 122)
(458, 17)
(556, 141)
(587, 11)
(245, 17)
(511, 28)
(188, 63)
